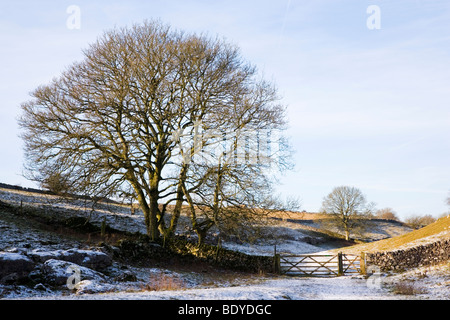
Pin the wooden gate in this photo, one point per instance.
(319, 264)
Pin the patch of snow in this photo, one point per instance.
(13, 256)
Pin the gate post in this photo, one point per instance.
(362, 263)
(276, 264)
(340, 265)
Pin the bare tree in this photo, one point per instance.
(56, 182)
(347, 207)
(386, 213)
(419, 221)
(109, 123)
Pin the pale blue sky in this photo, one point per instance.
(367, 108)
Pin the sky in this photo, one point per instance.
(366, 83)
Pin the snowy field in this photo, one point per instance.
(283, 288)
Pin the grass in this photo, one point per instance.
(407, 288)
(164, 282)
(390, 244)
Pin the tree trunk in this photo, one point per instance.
(347, 234)
(170, 231)
(201, 233)
(143, 204)
(152, 221)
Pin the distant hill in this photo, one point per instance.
(376, 229)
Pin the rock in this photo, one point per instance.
(91, 259)
(59, 272)
(14, 267)
(41, 287)
(36, 275)
(41, 255)
(313, 240)
(92, 286)
(111, 251)
(126, 276)
(88, 258)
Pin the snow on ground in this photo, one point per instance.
(429, 282)
(281, 288)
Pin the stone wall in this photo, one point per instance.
(413, 257)
(225, 258)
(143, 250)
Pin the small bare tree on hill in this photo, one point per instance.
(419, 221)
(386, 213)
(348, 209)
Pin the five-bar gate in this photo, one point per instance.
(319, 264)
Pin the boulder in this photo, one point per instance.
(59, 272)
(126, 276)
(88, 258)
(14, 267)
(42, 255)
(93, 286)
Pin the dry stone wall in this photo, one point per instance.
(130, 250)
(417, 256)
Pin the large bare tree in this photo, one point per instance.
(111, 122)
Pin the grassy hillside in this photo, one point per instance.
(436, 231)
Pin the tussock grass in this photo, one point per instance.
(164, 282)
(407, 288)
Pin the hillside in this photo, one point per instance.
(436, 231)
(377, 229)
(290, 232)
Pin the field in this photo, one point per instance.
(296, 232)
